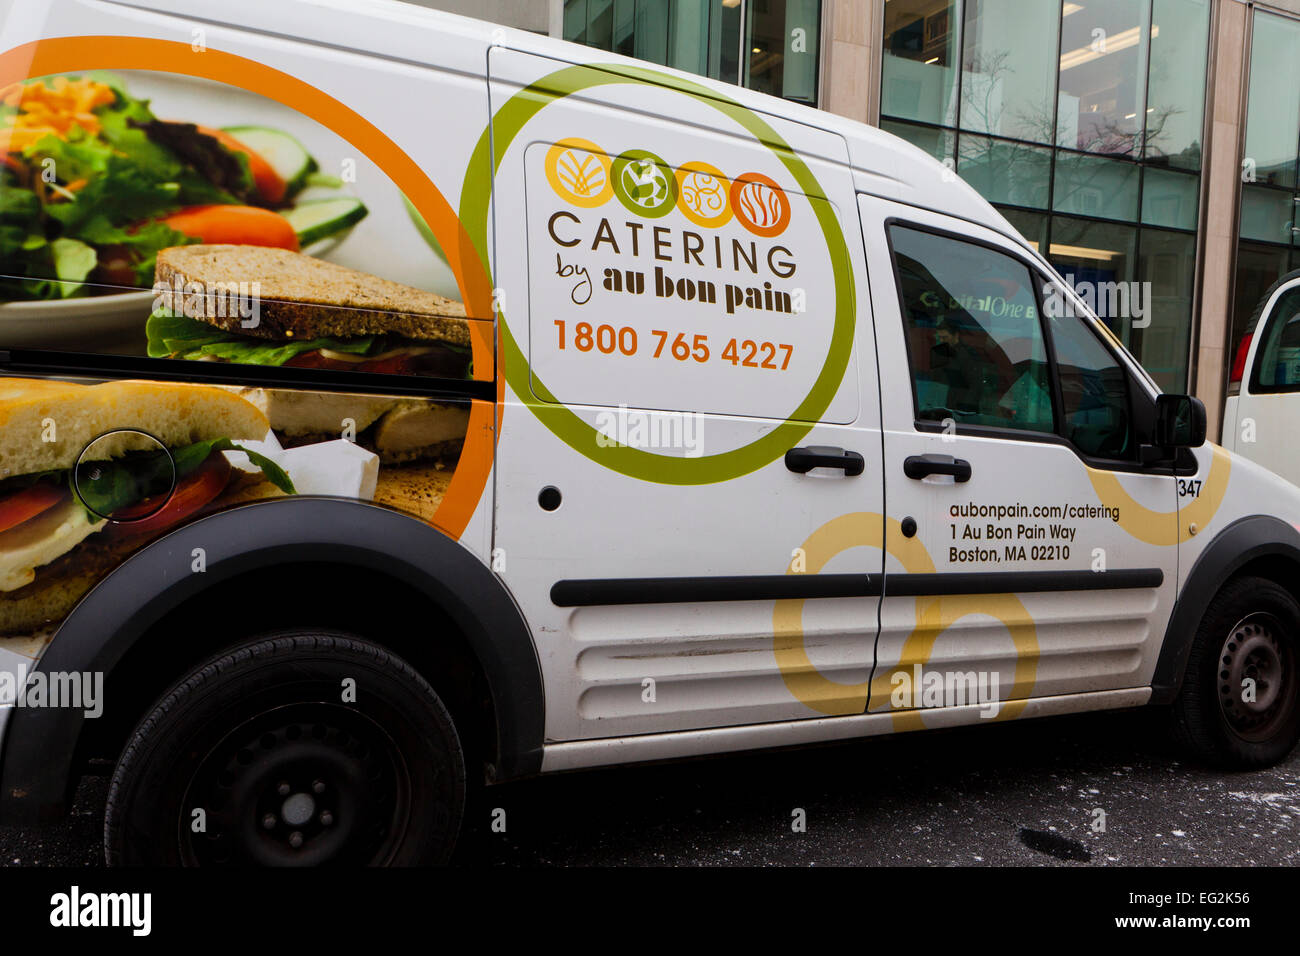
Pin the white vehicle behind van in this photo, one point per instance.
(1262, 410)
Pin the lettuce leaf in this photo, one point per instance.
(181, 336)
(109, 486)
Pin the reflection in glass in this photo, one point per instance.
(1009, 68)
(1169, 199)
(919, 81)
(1273, 110)
(973, 333)
(782, 44)
(1180, 35)
(1095, 186)
(1100, 254)
(1102, 75)
(937, 142)
(1006, 172)
(1267, 214)
(1166, 260)
(1031, 225)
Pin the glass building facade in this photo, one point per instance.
(1082, 122)
(1270, 184)
(772, 46)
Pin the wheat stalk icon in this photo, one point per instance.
(583, 175)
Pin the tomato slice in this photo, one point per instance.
(30, 502)
(195, 490)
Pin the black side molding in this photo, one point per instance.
(778, 587)
(748, 587)
(1020, 582)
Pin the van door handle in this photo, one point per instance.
(922, 466)
(803, 460)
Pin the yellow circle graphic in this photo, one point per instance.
(702, 195)
(1156, 527)
(934, 615)
(578, 172)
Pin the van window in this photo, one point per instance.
(1278, 365)
(1094, 390)
(973, 333)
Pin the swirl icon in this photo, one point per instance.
(703, 195)
(579, 172)
(760, 204)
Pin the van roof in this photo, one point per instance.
(884, 164)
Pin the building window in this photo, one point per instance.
(772, 46)
(1269, 195)
(1081, 121)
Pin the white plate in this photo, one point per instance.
(113, 323)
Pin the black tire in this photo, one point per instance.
(1250, 630)
(285, 771)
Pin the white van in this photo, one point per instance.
(1261, 407)
(392, 401)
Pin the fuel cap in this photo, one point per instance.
(124, 475)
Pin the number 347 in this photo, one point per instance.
(1190, 488)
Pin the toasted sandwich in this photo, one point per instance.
(306, 313)
(398, 430)
(67, 518)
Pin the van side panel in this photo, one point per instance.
(684, 305)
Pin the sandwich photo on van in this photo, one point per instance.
(304, 313)
(416, 442)
(127, 461)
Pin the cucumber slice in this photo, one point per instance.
(318, 219)
(285, 154)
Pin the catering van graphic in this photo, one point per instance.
(603, 378)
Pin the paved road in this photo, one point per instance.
(1008, 794)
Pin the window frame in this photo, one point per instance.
(1141, 417)
(1257, 386)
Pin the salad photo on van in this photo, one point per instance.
(597, 414)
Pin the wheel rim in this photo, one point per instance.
(300, 785)
(1256, 678)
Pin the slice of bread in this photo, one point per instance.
(415, 489)
(45, 424)
(302, 297)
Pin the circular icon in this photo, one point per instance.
(643, 183)
(579, 172)
(760, 205)
(124, 475)
(702, 195)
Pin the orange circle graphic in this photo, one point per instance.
(760, 204)
(703, 195)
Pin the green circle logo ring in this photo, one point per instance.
(476, 196)
(644, 183)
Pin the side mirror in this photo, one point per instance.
(1180, 421)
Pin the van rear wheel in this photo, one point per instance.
(1239, 706)
(297, 750)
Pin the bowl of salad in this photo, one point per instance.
(93, 184)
